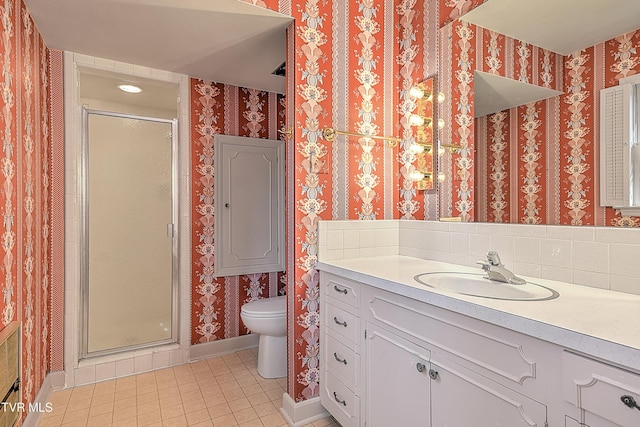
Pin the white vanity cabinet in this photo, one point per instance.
(392, 360)
(469, 372)
(340, 349)
(603, 395)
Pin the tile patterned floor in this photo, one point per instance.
(223, 391)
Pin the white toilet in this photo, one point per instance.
(268, 317)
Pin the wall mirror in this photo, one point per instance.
(528, 154)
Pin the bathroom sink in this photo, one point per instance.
(477, 285)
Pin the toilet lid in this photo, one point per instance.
(267, 307)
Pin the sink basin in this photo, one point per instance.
(478, 286)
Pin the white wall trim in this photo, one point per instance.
(228, 345)
(298, 414)
(53, 381)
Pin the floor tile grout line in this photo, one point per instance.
(236, 371)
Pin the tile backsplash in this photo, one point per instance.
(601, 257)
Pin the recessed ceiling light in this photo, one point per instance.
(130, 88)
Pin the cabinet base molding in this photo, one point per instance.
(297, 414)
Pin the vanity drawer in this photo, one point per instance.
(599, 389)
(341, 402)
(343, 290)
(342, 360)
(342, 322)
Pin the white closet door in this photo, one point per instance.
(249, 205)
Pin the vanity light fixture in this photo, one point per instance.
(420, 93)
(422, 179)
(419, 175)
(417, 120)
(129, 88)
(418, 147)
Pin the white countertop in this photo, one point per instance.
(601, 323)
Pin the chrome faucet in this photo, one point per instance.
(496, 270)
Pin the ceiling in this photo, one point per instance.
(227, 41)
(561, 26)
(495, 93)
(103, 86)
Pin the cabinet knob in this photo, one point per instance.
(335, 319)
(629, 401)
(420, 367)
(433, 374)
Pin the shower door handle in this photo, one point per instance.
(170, 230)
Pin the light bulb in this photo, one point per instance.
(416, 92)
(416, 175)
(417, 120)
(417, 148)
(441, 177)
(441, 97)
(440, 123)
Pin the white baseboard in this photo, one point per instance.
(53, 381)
(228, 345)
(297, 414)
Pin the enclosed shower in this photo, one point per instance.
(129, 251)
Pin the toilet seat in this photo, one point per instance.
(266, 308)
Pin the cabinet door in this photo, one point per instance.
(461, 398)
(249, 205)
(396, 380)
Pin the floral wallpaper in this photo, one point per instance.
(352, 65)
(543, 158)
(487, 150)
(450, 10)
(230, 110)
(25, 199)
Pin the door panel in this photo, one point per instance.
(249, 205)
(397, 380)
(128, 273)
(461, 398)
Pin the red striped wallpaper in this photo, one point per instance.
(554, 146)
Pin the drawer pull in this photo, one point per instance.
(335, 355)
(342, 402)
(335, 319)
(629, 401)
(337, 289)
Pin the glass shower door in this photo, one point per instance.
(128, 277)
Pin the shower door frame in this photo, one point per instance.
(172, 229)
